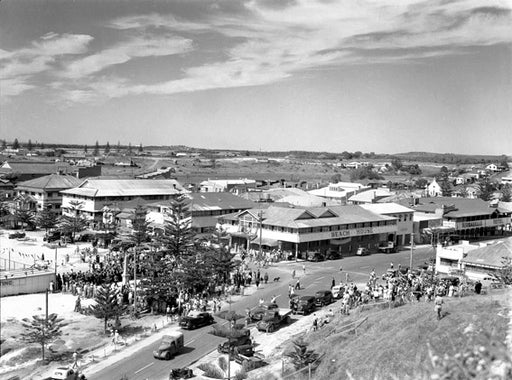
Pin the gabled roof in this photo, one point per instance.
(491, 255)
(51, 182)
(126, 187)
(461, 206)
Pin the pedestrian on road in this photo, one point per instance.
(315, 322)
(265, 277)
(333, 283)
(297, 285)
(304, 268)
(293, 273)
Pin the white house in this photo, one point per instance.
(434, 189)
(492, 168)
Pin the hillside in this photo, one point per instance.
(394, 343)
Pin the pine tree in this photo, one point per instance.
(219, 258)
(41, 146)
(118, 148)
(130, 148)
(96, 151)
(108, 304)
(178, 235)
(140, 148)
(85, 149)
(39, 330)
(485, 189)
(72, 224)
(107, 148)
(4, 145)
(15, 144)
(46, 219)
(29, 145)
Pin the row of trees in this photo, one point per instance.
(107, 150)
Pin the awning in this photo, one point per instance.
(339, 241)
(240, 234)
(440, 229)
(265, 241)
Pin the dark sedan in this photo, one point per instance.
(323, 297)
(196, 319)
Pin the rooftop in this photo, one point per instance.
(218, 201)
(386, 208)
(52, 181)
(491, 255)
(32, 167)
(126, 187)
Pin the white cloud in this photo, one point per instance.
(19, 67)
(123, 52)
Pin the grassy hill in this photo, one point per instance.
(405, 342)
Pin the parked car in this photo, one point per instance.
(362, 251)
(170, 345)
(230, 344)
(323, 297)
(315, 256)
(52, 236)
(260, 310)
(306, 305)
(181, 373)
(17, 235)
(333, 255)
(195, 319)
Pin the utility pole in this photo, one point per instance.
(412, 248)
(55, 263)
(260, 218)
(45, 321)
(135, 282)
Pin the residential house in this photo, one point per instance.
(223, 185)
(434, 189)
(340, 191)
(369, 196)
(25, 170)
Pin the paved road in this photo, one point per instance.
(142, 365)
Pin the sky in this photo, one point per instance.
(318, 75)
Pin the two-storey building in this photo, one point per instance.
(91, 196)
(301, 230)
(46, 190)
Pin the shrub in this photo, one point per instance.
(211, 370)
(223, 364)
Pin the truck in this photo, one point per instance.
(388, 247)
(273, 319)
(170, 345)
(254, 361)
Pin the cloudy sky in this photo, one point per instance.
(321, 75)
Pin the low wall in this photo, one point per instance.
(25, 281)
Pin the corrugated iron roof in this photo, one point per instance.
(491, 255)
(218, 201)
(126, 187)
(52, 181)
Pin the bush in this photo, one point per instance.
(211, 370)
(223, 364)
(240, 375)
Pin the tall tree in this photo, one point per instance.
(4, 145)
(15, 144)
(41, 146)
(118, 148)
(108, 304)
(301, 356)
(219, 258)
(130, 151)
(46, 219)
(446, 187)
(29, 145)
(107, 148)
(42, 331)
(140, 148)
(96, 150)
(25, 217)
(177, 238)
(485, 189)
(74, 223)
(85, 149)
(506, 193)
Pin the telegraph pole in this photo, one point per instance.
(260, 218)
(412, 248)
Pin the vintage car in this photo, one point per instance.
(323, 297)
(170, 345)
(17, 235)
(195, 319)
(305, 305)
(65, 373)
(231, 343)
(257, 313)
(362, 251)
(181, 373)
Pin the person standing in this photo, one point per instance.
(304, 268)
(438, 306)
(478, 287)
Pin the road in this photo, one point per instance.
(142, 365)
